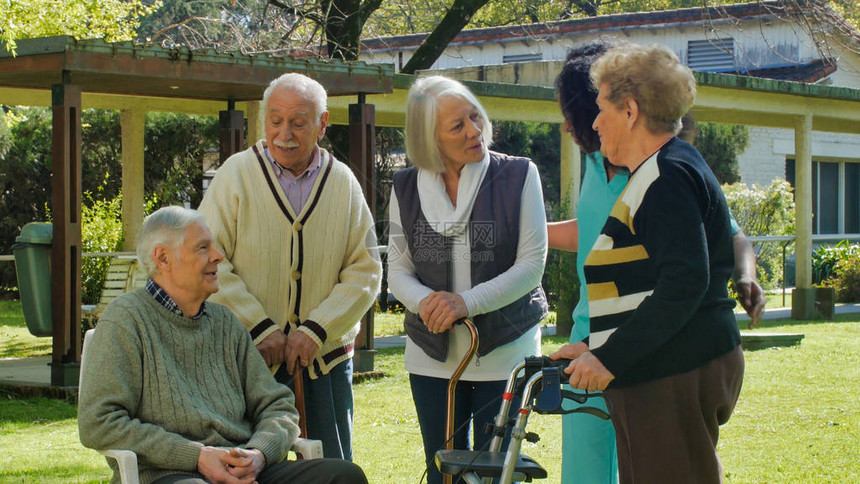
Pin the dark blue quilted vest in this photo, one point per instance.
(493, 231)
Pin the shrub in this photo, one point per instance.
(764, 211)
(839, 267)
(825, 258)
(846, 281)
(101, 231)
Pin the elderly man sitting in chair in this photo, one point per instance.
(178, 380)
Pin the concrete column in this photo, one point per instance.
(803, 297)
(571, 168)
(132, 123)
(256, 130)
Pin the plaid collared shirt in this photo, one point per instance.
(165, 300)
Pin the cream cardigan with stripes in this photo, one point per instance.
(316, 271)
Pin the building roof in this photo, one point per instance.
(601, 23)
(132, 69)
(809, 73)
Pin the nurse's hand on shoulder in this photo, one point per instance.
(588, 373)
(570, 351)
(441, 309)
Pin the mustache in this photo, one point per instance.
(285, 144)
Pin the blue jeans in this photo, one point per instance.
(477, 400)
(328, 408)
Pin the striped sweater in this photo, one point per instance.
(316, 271)
(658, 273)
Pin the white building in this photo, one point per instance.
(755, 39)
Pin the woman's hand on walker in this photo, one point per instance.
(588, 373)
(441, 309)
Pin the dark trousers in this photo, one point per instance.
(318, 471)
(472, 399)
(667, 429)
(328, 408)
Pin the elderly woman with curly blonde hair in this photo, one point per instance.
(663, 343)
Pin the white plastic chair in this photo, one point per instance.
(126, 460)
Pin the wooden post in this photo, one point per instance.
(66, 249)
(362, 150)
(232, 131)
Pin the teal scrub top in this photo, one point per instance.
(596, 199)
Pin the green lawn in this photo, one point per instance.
(15, 340)
(798, 419)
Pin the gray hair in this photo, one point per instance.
(421, 106)
(166, 226)
(301, 84)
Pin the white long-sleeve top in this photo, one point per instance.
(488, 296)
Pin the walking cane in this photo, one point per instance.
(299, 385)
(452, 386)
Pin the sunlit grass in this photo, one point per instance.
(798, 419)
(15, 339)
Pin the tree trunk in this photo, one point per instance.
(342, 28)
(588, 7)
(434, 45)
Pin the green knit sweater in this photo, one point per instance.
(164, 386)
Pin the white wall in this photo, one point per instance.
(764, 160)
(757, 44)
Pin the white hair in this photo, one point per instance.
(421, 108)
(301, 84)
(166, 226)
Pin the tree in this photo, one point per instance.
(332, 28)
(112, 19)
(538, 141)
(25, 178)
(452, 23)
(720, 145)
(175, 147)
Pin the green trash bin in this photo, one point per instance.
(32, 250)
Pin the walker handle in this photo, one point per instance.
(562, 362)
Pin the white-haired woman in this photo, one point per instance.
(664, 343)
(468, 238)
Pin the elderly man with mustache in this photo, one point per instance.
(299, 266)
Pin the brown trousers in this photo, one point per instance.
(667, 429)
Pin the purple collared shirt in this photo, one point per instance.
(297, 188)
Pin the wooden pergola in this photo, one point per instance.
(70, 75)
